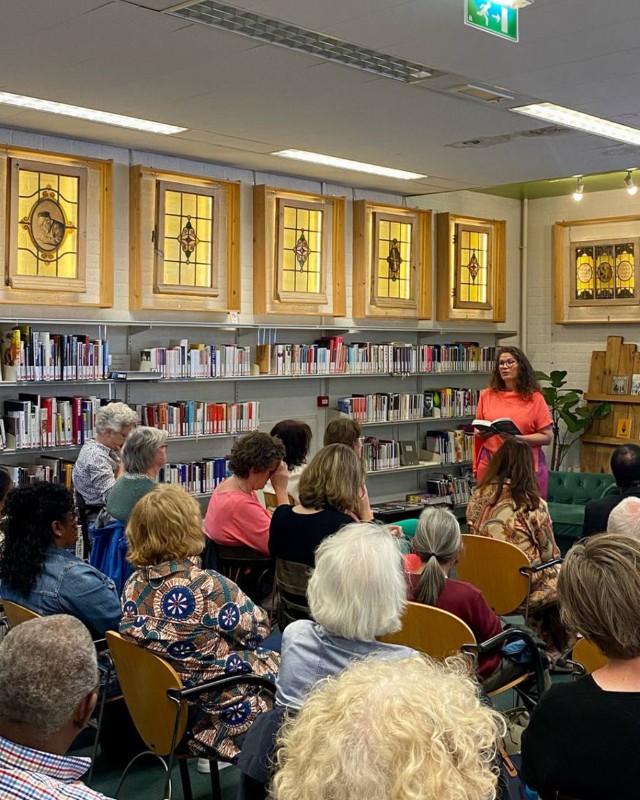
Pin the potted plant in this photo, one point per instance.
(567, 406)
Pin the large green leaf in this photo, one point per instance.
(557, 377)
(574, 424)
(602, 410)
(542, 376)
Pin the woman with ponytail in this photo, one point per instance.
(435, 550)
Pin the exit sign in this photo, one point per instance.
(493, 18)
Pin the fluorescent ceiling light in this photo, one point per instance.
(90, 114)
(582, 122)
(345, 163)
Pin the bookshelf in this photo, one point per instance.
(297, 397)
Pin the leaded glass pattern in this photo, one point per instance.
(187, 239)
(604, 272)
(472, 265)
(394, 257)
(301, 249)
(48, 206)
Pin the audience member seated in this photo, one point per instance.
(357, 592)
(331, 495)
(583, 735)
(625, 518)
(436, 546)
(507, 505)
(144, 453)
(343, 430)
(296, 438)
(625, 466)
(39, 571)
(196, 619)
(98, 462)
(235, 516)
(386, 730)
(48, 690)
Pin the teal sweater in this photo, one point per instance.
(125, 493)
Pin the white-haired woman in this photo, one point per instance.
(436, 547)
(144, 453)
(625, 518)
(357, 592)
(98, 463)
(382, 730)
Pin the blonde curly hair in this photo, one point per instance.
(390, 729)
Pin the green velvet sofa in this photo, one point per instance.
(567, 496)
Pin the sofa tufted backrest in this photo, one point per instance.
(578, 487)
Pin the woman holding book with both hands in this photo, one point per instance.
(513, 393)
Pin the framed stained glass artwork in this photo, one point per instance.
(596, 270)
(187, 230)
(185, 234)
(471, 269)
(298, 253)
(59, 247)
(391, 261)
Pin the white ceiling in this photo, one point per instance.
(241, 99)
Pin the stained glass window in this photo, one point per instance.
(604, 272)
(394, 257)
(301, 249)
(48, 207)
(186, 240)
(472, 265)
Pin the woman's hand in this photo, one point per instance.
(365, 514)
(280, 483)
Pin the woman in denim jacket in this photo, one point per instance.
(40, 572)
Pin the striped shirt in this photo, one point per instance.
(27, 774)
(94, 472)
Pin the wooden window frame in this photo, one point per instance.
(366, 303)
(458, 303)
(393, 302)
(301, 297)
(446, 271)
(146, 293)
(595, 303)
(41, 282)
(267, 296)
(159, 286)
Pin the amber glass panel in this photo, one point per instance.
(301, 245)
(48, 206)
(187, 239)
(473, 274)
(393, 276)
(625, 271)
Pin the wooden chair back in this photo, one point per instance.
(493, 566)
(270, 500)
(589, 656)
(291, 581)
(144, 679)
(431, 631)
(16, 613)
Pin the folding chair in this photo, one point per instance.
(246, 567)
(588, 657)
(500, 570)
(158, 703)
(16, 613)
(439, 634)
(291, 583)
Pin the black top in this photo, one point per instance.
(294, 537)
(583, 742)
(596, 512)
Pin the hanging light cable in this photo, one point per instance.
(631, 187)
(579, 190)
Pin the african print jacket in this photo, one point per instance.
(205, 626)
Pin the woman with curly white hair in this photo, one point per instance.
(408, 729)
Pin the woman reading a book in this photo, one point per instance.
(507, 505)
(513, 394)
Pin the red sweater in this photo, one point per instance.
(467, 602)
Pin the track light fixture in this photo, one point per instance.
(631, 187)
(579, 190)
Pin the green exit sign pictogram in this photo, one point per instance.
(493, 18)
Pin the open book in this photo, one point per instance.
(502, 425)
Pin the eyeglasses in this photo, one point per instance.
(509, 363)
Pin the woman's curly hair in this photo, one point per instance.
(257, 451)
(390, 729)
(526, 383)
(30, 512)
